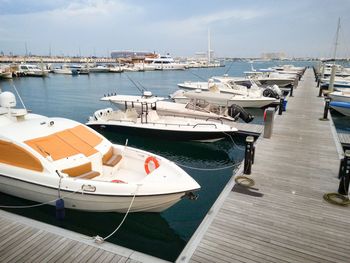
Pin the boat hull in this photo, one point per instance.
(88, 201)
(342, 107)
(176, 135)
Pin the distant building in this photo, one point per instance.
(131, 54)
(274, 55)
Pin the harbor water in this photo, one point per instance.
(164, 234)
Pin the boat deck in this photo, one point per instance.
(283, 217)
(26, 240)
(249, 129)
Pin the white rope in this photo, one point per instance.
(233, 142)
(208, 169)
(99, 239)
(41, 204)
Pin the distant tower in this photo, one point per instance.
(208, 46)
(25, 45)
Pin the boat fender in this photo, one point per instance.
(60, 213)
(147, 162)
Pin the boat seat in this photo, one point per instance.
(111, 159)
(152, 116)
(83, 171)
(131, 114)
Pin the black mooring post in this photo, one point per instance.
(253, 153)
(280, 107)
(326, 109)
(320, 92)
(291, 91)
(345, 179)
(248, 154)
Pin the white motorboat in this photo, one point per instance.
(116, 69)
(5, 72)
(341, 106)
(252, 100)
(99, 69)
(340, 96)
(195, 108)
(272, 78)
(150, 123)
(229, 87)
(145, 66)
(340, 83)
(66, 70)
(32, 70)
(43, 159)
(165, 62)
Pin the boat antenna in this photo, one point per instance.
(14, 87)
(133, 82)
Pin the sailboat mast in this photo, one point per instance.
(208, 46)
(336, 40)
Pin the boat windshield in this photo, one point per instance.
(66, 143)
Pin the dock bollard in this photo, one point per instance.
(291, 91)
(248, 156)
(326, 109)
(269, 116)
(280, 107)
(345, 178)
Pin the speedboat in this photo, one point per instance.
(150, 123)
(224, 87)
(99, 69)
(341, 106)
(254, 99)
(195, 108)
(66, 70)
(5, 72)
(44, 159)
(340, 96)
(32, 70)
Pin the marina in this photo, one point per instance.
(174, 132)
(283, 217)
(202, 239)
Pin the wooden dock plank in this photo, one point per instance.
(283, 218)
(27, 240)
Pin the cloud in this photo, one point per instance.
(201, 22)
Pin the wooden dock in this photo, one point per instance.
(344, 139)
(283, 218)
(26, 240)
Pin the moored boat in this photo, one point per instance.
(341, 106)
(150, 123)
(43, 159)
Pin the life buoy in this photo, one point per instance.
(154, 161)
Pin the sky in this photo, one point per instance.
(238, 28)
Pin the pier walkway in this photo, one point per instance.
(283, 218)
(26, 240)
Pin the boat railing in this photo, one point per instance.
(204, 124)
(216, 119)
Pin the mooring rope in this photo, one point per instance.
(99, 239)
(41, 204)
